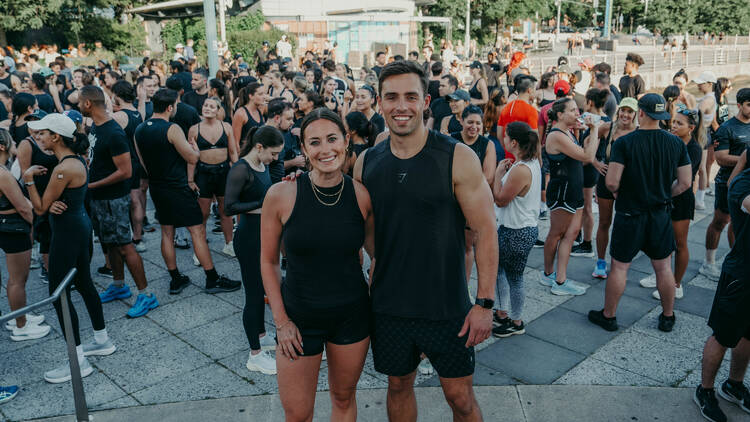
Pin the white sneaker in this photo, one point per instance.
(711, 271)
(29, 332)
(229, 249)
(425, 367)
(30, 319)
(649, 282)
(700, 205)
(325, 356)
(99, 349)
(678, 293)
(195, 261)
(62, 374)
(263, 362)
(267, 343)
(140, 247)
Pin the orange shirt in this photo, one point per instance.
(517, 111)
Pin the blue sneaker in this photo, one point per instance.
(143, 304)
(567, 288)
(7, 393)
(113, 292)
(601, 269)
(548, 280)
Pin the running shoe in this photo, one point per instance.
(425, 367)
(267, 343)
(29, 332)
(195, 261)
(217, 229)
(567, 288)
(710, 191)
(223, 285)
(548, 280)
(115, 292)
(35, 263)
(176, 286)
(99, 349)
(678, 293)
(700, 205)
(181, 243)
(711, 271)
(598, 318)
(104, 271)
(544, 215)
(140, 247)
(579, 238)
(62, 374)
(148, 228)
(738, 395)
(30, 319)
(600, 271)
(508, 330)
(496, 320)
(43, 276)
(262, 362)
(8, 392)
(229, 249)
(708, 405)
(648, 282)
(666, 323)
(143, 304)
(582, 249)
(539, 243)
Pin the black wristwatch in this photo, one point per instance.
(485, 303)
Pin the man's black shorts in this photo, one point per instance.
(650, 232)
(730, 313)
(398, 342)
(722, 198)
(176, 206)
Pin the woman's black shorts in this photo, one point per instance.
(211, 179)
(683, 206)
(15, 242)
(601, 189)
(564, 195)
(590, 176)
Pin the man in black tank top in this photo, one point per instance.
(164, 152)
(421, 184)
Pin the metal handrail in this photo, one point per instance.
(82, 413)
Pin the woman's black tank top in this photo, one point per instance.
(5, 204)
(563, 167)
(19, 133)
(454, 125)
(74, 198)
(479, 146)
(322, 248)
(250, 123)
(48, 161)
(474, 91)
(544, 102)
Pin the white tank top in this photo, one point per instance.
(707, 118)
(523, 211)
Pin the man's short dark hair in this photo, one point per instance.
(414, 53)
(329, 65)
(436, 68)
(602, 67)
(602, 78)
(402, 67)
(378, 54)
(263, 68)
(94, 94)
(635, 58)
(743, 96)
(124, 90)
(174, 83)
(524, 84)
(176, 66)
(202, 71)
(398, 57)
(277, 107)
(163, 98)
(452, 81)
(140, 79)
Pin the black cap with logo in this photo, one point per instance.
(655, 107)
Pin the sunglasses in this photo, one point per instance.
(682, 109)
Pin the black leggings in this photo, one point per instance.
(247, 249)
(71, 247)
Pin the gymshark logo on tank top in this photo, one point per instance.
(402, 177)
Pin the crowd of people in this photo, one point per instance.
(307, 168)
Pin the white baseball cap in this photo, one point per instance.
(55, 122)
(179, 45)
(705, 77)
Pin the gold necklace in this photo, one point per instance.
(317, 191)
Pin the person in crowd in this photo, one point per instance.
(545, 93)
(520, 109)
(71, 233)
(208, 178)
(732, 138)
(680, 80)
(248, 113)
(647, 168)
(39, 90)
(607, 70)
(721, 93)
(323, 304)
(440, 107)
(516, 189)
(197, 96)
(601, 81)
(670, 94)
(565, 191)
(281, 116)
(632, 84)
(457, 101)
(365, 101)
(478, 90)
(706, 103)
(624, 124)
(164, 153)
(328, 92)
(16, 218)
(11, 81)
(277, 89)
(433, 87)
(360, 135)
(380, 60)
(24, 105)
(492, 113)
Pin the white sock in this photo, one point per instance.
(700, 195)
(79, 352)
(101, 336)
(710, 256)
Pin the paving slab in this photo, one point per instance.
(629, 309)
(595, 372)
(570, 330)
(689, 330)
(191, 312)
(697, 301)
(219, 339)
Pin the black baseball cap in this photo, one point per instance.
(655, 107)
(476, 64)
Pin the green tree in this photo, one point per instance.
(20, 15)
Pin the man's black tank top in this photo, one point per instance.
(250, 123)
(134, 120)
(479, 146)
(322, 246)
(164, 165)
(419, 240)
(48, 161)
(565, 168)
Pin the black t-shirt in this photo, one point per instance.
(433, 88)
(651, 159)
(186, 78)
(632, 86)
(186, 116)
(440, 108)
(736, 263)
(3, 112)
(377, 70)
(46, 103)
(107, 141)
(194, 100)
(66, 101)
(379, 122)
(733, 135)
(615, 93)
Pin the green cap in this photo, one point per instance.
(630, 103)
(45, 72)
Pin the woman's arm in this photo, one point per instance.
(518, 180)
(238, 120)
(59, 180)
(231, 144)
(490, 162)
(10, 189)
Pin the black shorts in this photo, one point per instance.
(176, 206)
(42, 233)
(398, 342)
(545, 169)
(601, 189)
(15, 242)
(562, 195)
(343, 325)
(135, 179)
(650, 232)
(683, 206)
(730, 313)
(722, 197)
(211, 179)
(590, 176)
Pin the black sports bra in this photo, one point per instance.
(204, 145)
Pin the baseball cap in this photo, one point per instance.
(630, 103)
(563, 68)
(655, 106)
(38, 114)
(561, 85)
(460, 94)
(45, 72)
(562, 60)
(705, 77)
(237, 56)
(55, 122)
(476, 64)
(74, 115)
(265, 43)
(179, 45)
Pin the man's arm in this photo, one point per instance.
(189, 152)
(124, 171)
(684, 180)
(740, 167)
(614, 174)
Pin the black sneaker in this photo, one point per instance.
(737, 395)
(177, 285)
(104, 271)
(223, 285)
(181, 243)
(496, 320)
(283, 265)
(539, 243)
(666, 323)
(579, 238)
(598, 318)
(582, 249)
(708, 405)
(508, 330)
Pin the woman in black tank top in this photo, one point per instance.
(24, 105)
(216, 144)
(323, 220)
(452, 123)
(248, 114)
